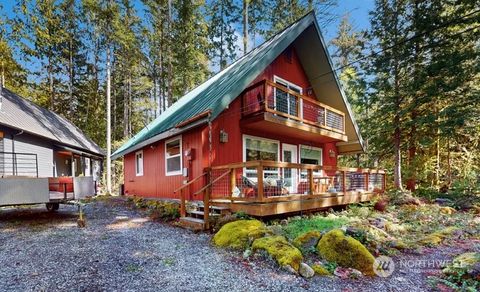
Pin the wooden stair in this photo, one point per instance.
(194, 220)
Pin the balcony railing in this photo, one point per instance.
(266, 96)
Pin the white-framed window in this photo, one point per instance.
(311, 155)
(139, 163)
(257, 148)
(173, 156)
(285, 102)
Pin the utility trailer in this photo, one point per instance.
(52, 192)
(20, 184)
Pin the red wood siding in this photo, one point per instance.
(154, 183)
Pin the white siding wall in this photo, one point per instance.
(29, 144)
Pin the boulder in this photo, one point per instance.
(346, 251)
(276, 230)
(239, 234)
(308, 240)
(279, 249)
(306, 271)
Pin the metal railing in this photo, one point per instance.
(18, 164)
(250, 181)
(266, 96)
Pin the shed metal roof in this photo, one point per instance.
(19, 113)
(219, 91)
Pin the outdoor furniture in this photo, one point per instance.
(271, 187)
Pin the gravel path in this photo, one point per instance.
(121, 250)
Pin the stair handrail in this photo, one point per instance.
(183, 208)
(206, 197)
(212, 182)
(190, 182)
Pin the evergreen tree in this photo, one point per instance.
(12, 75)
(222, 15)
(190, 58)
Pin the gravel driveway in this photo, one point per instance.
(121, 250)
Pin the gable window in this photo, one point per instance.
(255, 148)
(284, 101)
(173, 156)
(139, 163)
(310, 155)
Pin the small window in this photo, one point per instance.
(173, 156)
(139, 163)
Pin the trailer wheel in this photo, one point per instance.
(52, 207)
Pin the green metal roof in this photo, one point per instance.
(219, 91)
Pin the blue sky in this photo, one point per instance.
(357, 9)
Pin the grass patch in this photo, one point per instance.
(300, 226)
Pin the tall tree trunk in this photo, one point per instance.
(109, 132)
(2, 80)
(245, 26)
(50, 80)
(71, 77)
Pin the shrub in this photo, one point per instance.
(279, 249)
(346, 251)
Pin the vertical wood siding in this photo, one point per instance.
(154, 183)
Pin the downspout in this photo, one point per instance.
(14, 160)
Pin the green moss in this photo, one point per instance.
(463, 263)
(301, 226)
(306, 241)
(321, 270)
(280, 249)
(346, 251)
(239, 234)
(438, 237)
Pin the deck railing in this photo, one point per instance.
(274, 181)
(18, 164)
(267, 96)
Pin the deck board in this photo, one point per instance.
(297, 205)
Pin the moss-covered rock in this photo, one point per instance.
(346, 251)
(239, 234)
(438, 237)
(279, 249)
(308, 240)
(320, 270)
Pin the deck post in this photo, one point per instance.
(233, 181)
(260, 183)
(384, 183)
(367, 174)
(206, 201)
(310, 181)
(183, 211)
(265, 99)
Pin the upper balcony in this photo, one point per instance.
(267, 103)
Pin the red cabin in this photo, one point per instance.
(262, 136)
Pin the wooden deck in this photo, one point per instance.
(275, 188)
(295, 204)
